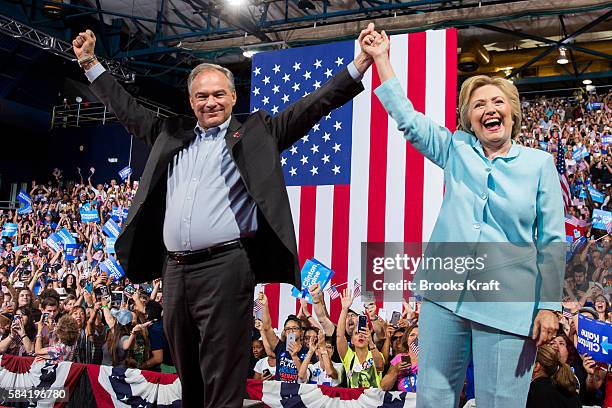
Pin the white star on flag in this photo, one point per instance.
(275, 89)
(275, 109)
(286, 77)
(314, 149)
(336, 147)
(328, 116)
(336, 169)
(339, 61)
(325, 158)
(328, 73)
(326, 137)
(257, 71)
(338, 125)
(315, 128)
(314, 170)
(256, 91)
(304, 159)
(306, 75)
(317, 85)
(293, 149)
(296, 66)
(265, 100)
(296, 87)
(285, 98)
(283, 161)
(293, 171)
(276, 68)
(305, 138)
(317, 63)
(266, 80)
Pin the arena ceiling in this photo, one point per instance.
(159, 37)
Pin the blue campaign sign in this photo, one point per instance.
(9, 229)
(606, 139)
(110, 245)
(601, 218)
(111, 229)
(119, 213)
(71, 250)
(597, 196)
(594, 339)
(89, 215)
(125, 172)
(54, 241)
(112, 268)
(576, 153)
(543, 145)
(313, 272)
(66, 236)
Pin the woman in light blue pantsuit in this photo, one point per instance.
(495, 191)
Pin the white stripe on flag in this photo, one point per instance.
(323, 229)
(435, 94)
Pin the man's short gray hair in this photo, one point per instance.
(207, 67)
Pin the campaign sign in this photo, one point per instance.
(66, 237)
(576, 153)
(313, 272)
(597, 196)
(125, 172)
(601, 218)
(119, 213)
(54, 241)
(112, 268)
(89, 215)
(9, 229)
(111, 229)
(606, 139)
(25, 209)
(110, 245)
(543, 145)
(593, 339)
(70, 251)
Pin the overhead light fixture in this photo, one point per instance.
(587, 81)
(306, 5)
(48, 43)
(235, 3)
(249, 53)
(562, 60)
(78, 99)
(54, 7)
(590, 88)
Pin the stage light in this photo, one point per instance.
(78, 99)
(562, 60)
(235, 3)
(587, 81)
(249, 53)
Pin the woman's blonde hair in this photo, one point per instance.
(507, 87)
(560, 373)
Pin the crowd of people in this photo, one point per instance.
(58, 309)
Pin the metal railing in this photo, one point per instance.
(95, 113)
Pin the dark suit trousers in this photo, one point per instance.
(208, 318)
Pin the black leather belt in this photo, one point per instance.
(201, 255)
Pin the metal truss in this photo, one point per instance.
(61, 48)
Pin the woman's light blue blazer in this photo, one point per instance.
(511, 199)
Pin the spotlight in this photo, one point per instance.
(78, 99)
(587, 81)
(235, 3)
(562, 60)
(249, 53)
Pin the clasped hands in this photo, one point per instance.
(374, 45)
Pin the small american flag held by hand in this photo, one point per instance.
(414, 347)
(333, 292)
(356, 289)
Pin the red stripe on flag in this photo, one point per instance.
(450, 110)
(306, 240)
(414, 179)
(272, 291)
(377, 188)
(340, 238)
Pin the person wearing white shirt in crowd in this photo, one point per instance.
(324, 371)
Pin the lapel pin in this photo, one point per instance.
(237, 134)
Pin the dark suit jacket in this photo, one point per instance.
(254, 146)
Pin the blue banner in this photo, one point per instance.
(66, 236)
(9, 229)
(313, 272)
(125, 172)
(112, 268)
(89, 215)
(601, 218)
(111, 229)
(54, 241)
(110, 245)
(606, 140)
(543, 145)
(597, 196)
(70, 251)
(26, 203)
(119, 213)
(593, 339)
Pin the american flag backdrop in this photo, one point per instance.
(353, 178)
(565, 188)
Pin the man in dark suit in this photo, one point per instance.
(211, 214)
